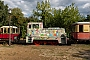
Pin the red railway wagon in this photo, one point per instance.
(9, 32)
(80, 31)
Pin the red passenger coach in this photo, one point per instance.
(80, 31)
(9, 32)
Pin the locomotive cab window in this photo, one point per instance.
(35, 25)
(80, 28)
(29, 26)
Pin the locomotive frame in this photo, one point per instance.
(36, 34)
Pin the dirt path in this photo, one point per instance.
(45, 52)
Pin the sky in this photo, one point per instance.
(27, 6)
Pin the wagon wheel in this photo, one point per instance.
(4, 43)
(75, 42)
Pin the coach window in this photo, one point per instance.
(4, 30)
(1, 30)
(13, 30)
(80, 28)
(8, 30)
(17, 30)
(73, 29)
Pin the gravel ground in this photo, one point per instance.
(45, 52)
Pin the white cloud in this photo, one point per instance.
(54, 1)
(87, 5)
(22, 1)
(60, 7)
(27, 6)
(18, 3)
(83, 0)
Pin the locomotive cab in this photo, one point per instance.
(32, 27)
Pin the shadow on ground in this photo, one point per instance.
(83, 54)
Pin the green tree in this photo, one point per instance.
(3, 13)
(18, 19)
(32, 19)
(43, 11)
(65, 18)
(56, 20)
(70, 15)
(87, 18)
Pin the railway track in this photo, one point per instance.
(23, 42)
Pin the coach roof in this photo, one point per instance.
(8, 27)
(81, 23)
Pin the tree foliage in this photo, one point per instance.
(3, 13)
(57, 17)
(56, 20)
(32, 19)
(87, 18)
(70, 15)
(43, 11)
(17, 16)
(18, 20)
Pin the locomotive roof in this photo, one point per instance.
(34, 22)
(8, 26)
(55, 28)
(81, 23)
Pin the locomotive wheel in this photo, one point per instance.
(36, 43)
(45, 42)
(53, 43)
